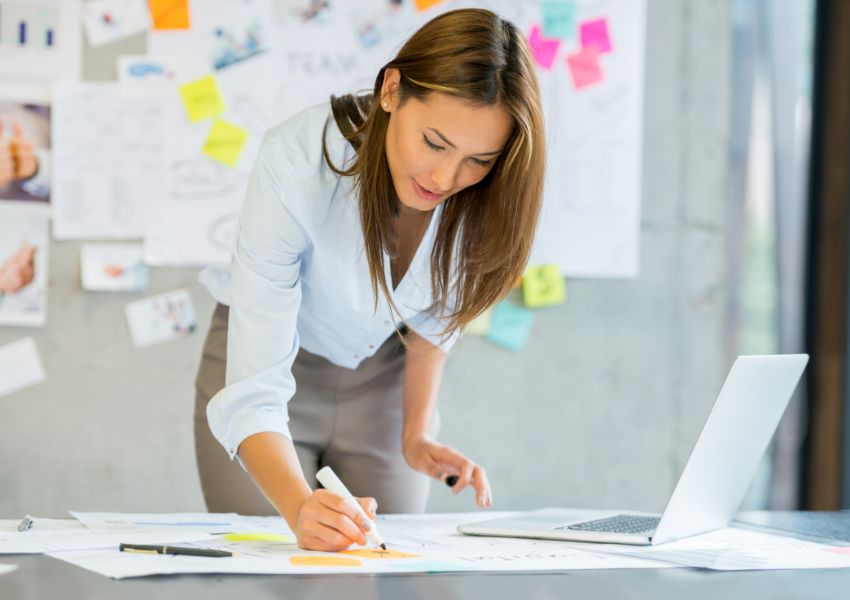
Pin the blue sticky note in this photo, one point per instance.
(511, 326)
(559, 19)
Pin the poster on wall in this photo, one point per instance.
(24, 152)
(589, 58)
(23, 264)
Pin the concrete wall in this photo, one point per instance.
(601, 409)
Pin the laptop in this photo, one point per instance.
(713, 482)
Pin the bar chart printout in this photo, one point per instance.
(28, 24)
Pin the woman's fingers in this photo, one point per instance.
(483, 494)
(370, 505)
(327, 539)
(342, 516)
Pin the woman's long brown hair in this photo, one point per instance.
(485, 233)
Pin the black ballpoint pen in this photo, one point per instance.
(175, 550)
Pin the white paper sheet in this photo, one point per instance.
(20, 366)
(108, 148)
(51, 50)
(40, 524)
(431, 539)
(25, 223)
(113, 521)
(734, 549)
(54, 535)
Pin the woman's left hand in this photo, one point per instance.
(436, 460)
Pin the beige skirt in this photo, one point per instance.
(348, 419)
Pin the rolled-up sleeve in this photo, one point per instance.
(431, 325)
(265, 297)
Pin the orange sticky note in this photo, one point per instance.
(169, 14)
(425, 4)
(320, 560)
(378, 553)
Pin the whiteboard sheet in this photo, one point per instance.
(590, 223)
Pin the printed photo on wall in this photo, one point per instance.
(24, 151)
(23, 264)
(160, 318)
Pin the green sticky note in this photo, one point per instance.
(480, 325)
(559, 19)
(225, 142)
(259, 537)
(202, 99)
(511, 326)
(543, 286)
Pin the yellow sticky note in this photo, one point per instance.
(169, 14)
(259, 537)
(320, 560)
(426, 4)
(202, 99)
(225, 142)
(480, 325)
(378, 553)
(543, 286)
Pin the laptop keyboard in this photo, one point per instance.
(617, 524)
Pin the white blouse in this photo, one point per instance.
(299, 278)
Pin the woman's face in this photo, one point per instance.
(440, 145)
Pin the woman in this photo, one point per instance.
(372, 231)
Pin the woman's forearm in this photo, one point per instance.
(423, 370)
(271, 461)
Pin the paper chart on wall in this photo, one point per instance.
(109, 147)
(40, 44)
(417, 543)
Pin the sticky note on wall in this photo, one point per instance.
(543, 286)
(225, 142)
(543, 49)
(169, 14)
(202, 98)
(584, 67)
(425, 4)
(511, 326)
(559, 19)
(480, 325)
(594, 34)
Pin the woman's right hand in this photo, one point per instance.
(328, 523)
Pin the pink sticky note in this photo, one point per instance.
(595, 33)
(543, 49)
(585, 68)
